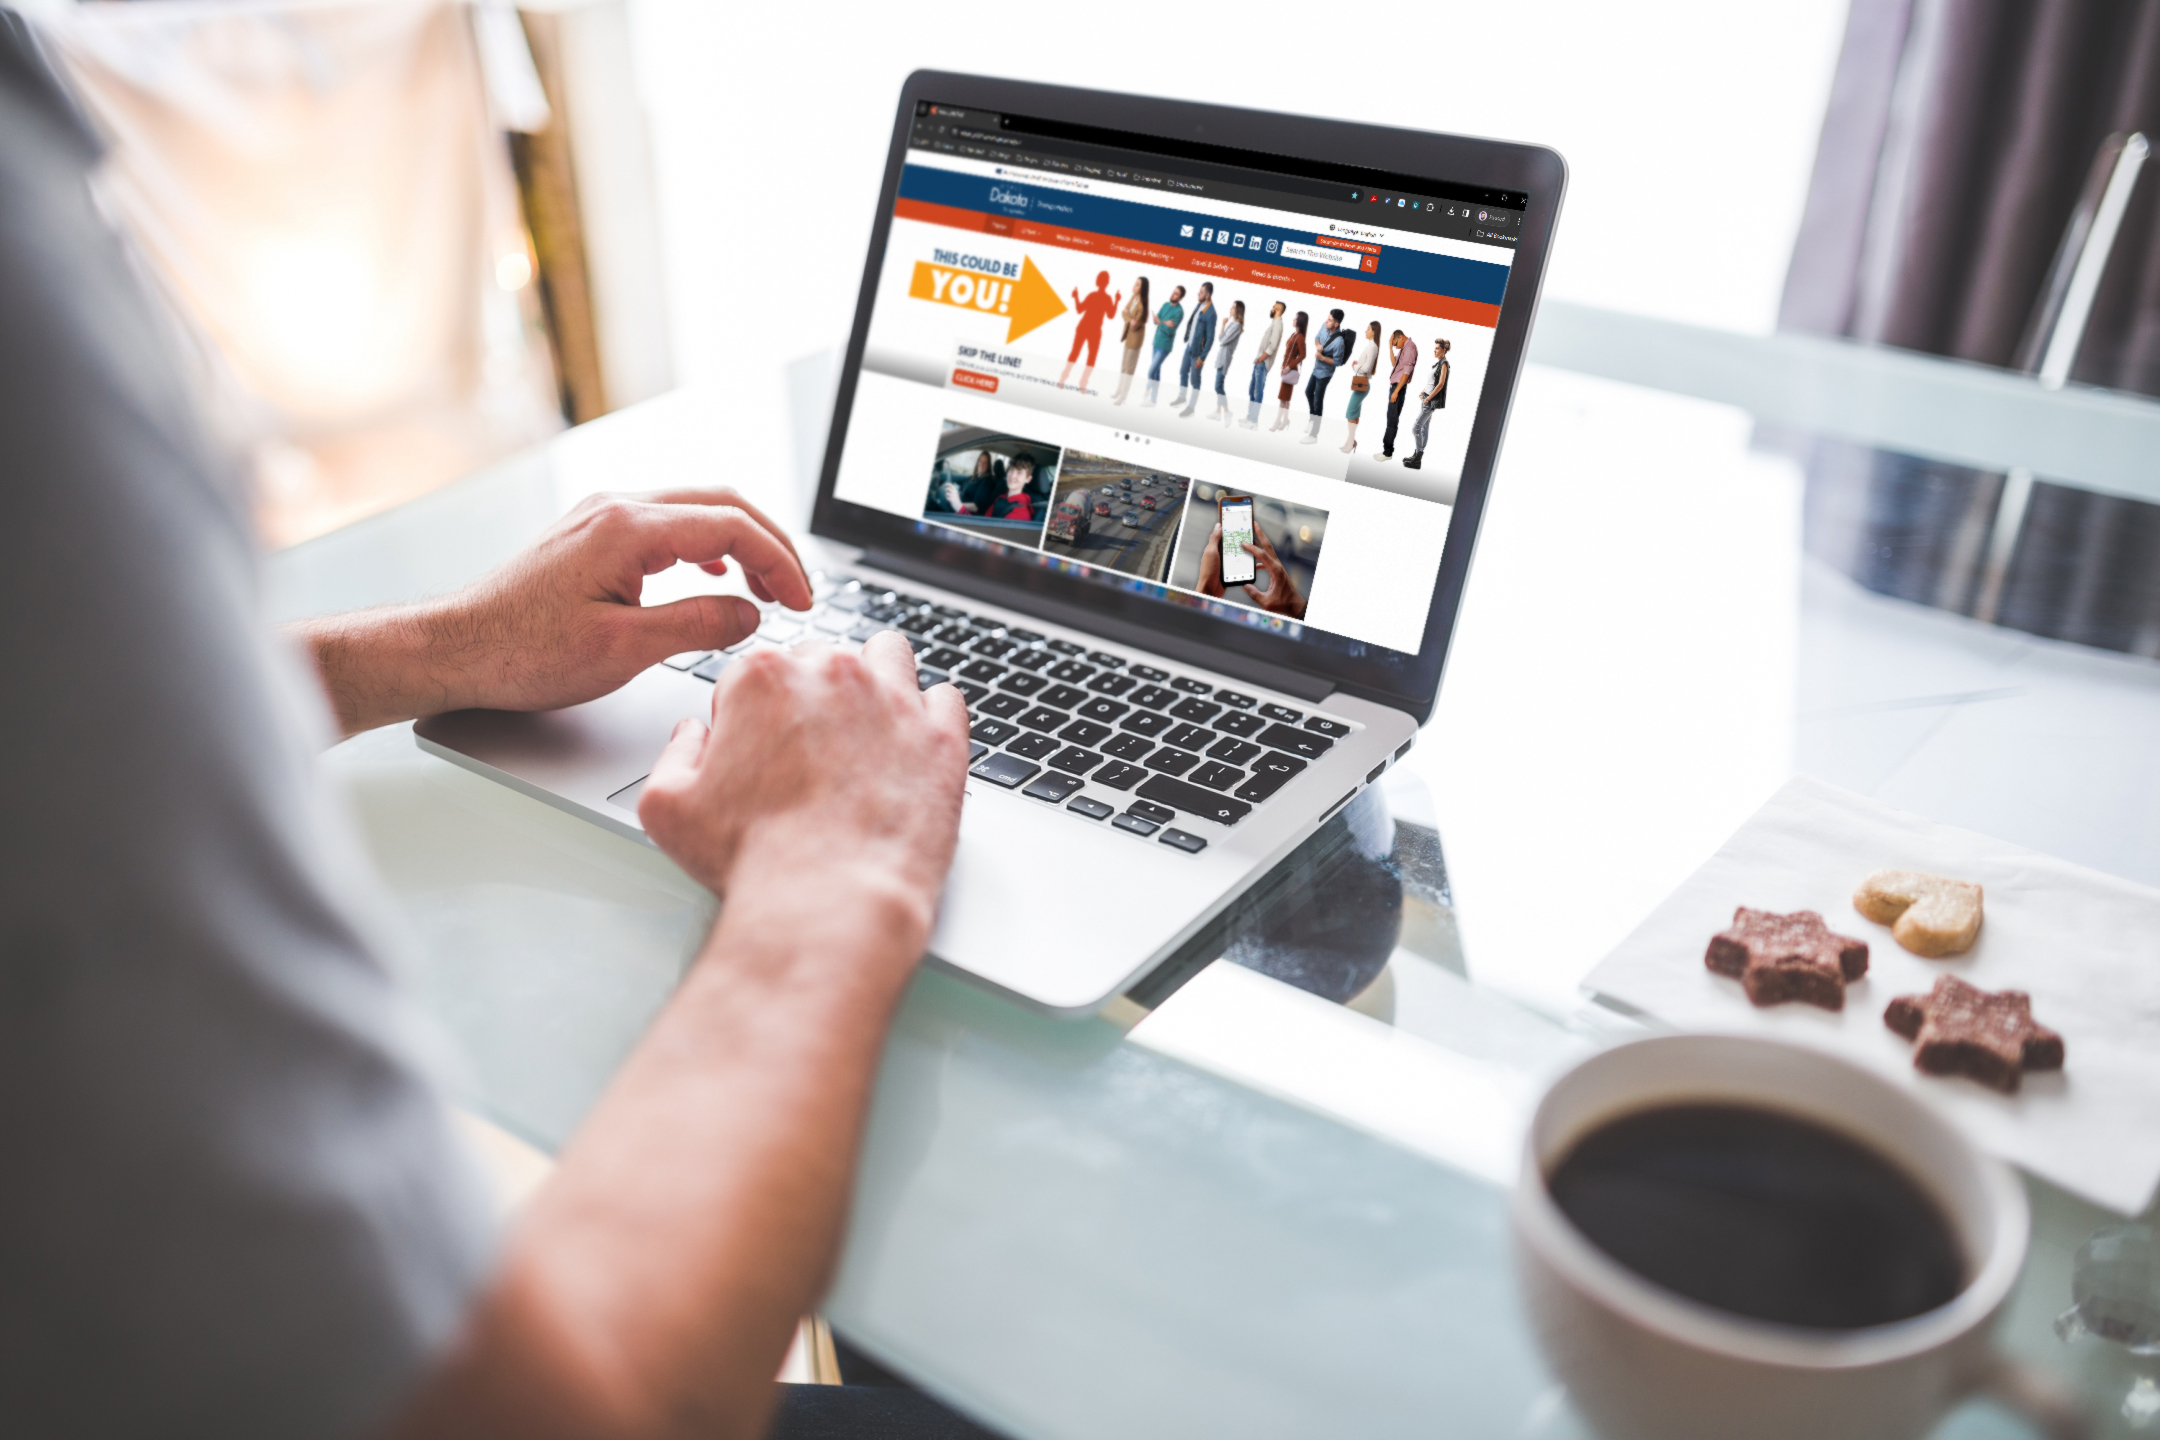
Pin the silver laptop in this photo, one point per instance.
(1163, 432)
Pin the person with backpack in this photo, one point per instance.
(1433, 399)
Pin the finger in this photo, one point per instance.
(678, 759)
(702, 533)
(702, 622)
(947, 708)
(721, 495)
(891, 659)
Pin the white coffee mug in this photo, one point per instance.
(1643, 1363)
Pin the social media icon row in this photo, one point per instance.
(1210, 235)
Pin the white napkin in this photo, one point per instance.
(2085, 945)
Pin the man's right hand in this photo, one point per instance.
(822, 763)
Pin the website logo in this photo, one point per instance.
(1184, 232)
(999, 195)
(1207, 233)
(1271, 247)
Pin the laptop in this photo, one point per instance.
(1093, 453)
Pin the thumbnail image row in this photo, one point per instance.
(1117, 516)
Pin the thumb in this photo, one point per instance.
(673, 773)
(702, 622)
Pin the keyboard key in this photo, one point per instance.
(1190, 844)
(1084, 732)
(1217, 776)
(1274, 762)
(1032, 747)
(1112, 684)
(1075, 760)
(917, 624)
(685, 660)
(710, 667)
(901, 597)
(1197, 711)
(914, 642)
(1135, 824)
(1005, 770)
(1147, 672)
(1172, 762)
(1062, 697)
(1105, 659)
(1053, 788)
(1145, 722)
(1304, 744)
(1071, 671)
(1090, 807)
(1191, 686)
(865, 630)
(1262, 786)
(1021, 637)
(1117, 775)
(1102, 709)
(1004, 707)
(1193, 800)
(995, 648)
(1190, 737)
(1283, 713)
(1153, 696)
(925, 677)
(1149, 810)
(948, 612)
(1022, 683)
(970, 691)
(1238, 722)
(854, 600)
(1235, 699)
(982, 670)
(1233, 752)
(945, 658)
(1066, 647)
(994, 732)
(885, 612)
(987, 622)
(975, 750)
(1128, 747)
(1042, 717)
(835, 622)
(1030, 659)
(1335, 729)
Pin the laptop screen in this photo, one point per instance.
(1197, 380)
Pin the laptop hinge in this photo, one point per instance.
(1280, 678)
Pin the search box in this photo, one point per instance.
(1321, 255)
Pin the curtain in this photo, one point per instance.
(1958, 137)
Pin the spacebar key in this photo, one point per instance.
(1194, 800)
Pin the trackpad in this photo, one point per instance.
(627, 797)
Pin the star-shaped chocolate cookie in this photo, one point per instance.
(1777, 958)
(1964, 1030)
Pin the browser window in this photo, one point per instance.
(1078, 349)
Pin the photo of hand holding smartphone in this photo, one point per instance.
(1235, 513)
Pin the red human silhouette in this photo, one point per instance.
(1099, 306)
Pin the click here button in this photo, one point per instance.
(971, 380)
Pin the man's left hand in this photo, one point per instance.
(564, 621)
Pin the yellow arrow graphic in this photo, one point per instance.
(1027, 302)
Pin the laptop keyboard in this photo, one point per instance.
(1105, 736)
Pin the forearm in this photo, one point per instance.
(654, 1285)
(382, 666)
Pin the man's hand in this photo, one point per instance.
(818, 762)
(1281, 596)
(1211, 564)
(564, 621)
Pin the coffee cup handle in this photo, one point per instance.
(2038, 1397)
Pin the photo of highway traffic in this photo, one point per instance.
(1117, 515)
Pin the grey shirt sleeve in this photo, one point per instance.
(231, 1201)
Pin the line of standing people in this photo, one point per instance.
(1205, 332)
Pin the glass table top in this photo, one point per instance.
(1265, 1194)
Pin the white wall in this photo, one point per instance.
(1688, 125)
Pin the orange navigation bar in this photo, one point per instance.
(1349, 287)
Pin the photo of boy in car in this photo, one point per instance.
(991, 482)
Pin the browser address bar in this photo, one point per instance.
(1321, 255)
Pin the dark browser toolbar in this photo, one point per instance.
(1457, 212)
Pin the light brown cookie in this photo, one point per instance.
(1929, 915)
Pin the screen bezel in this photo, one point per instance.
(1390, 677)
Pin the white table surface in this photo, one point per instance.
(1255, 1212)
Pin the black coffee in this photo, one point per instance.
(1761, 1214)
